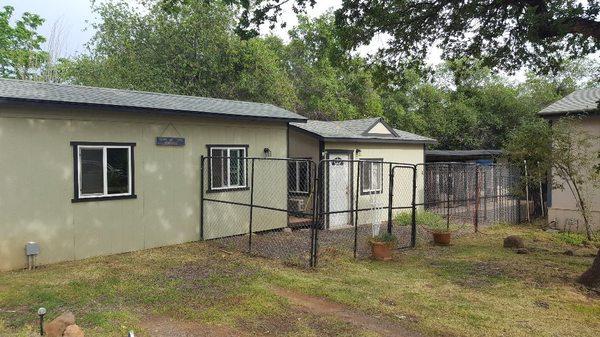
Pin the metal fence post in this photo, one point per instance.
(251, 206)
(390, 198)
(356, 205)
(413, 234)
(448, 196)
(201, 197)
(477, 187)
(313, 227)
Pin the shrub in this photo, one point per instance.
(385, 238)
(424, 218)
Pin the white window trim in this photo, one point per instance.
(105, 193)
(374, 174)
(228, 161)
(296, 189)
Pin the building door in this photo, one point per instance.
(339, 190)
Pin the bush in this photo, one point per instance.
(424, 218)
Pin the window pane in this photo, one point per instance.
(217, 167)
(366, 175)
(236, 168)
(92, 176)
(303, 176)
(292, 176)
(376, 178)
(117, 170)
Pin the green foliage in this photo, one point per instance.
(423, 218)
(21, 55)
(385, 237)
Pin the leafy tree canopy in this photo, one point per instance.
(507, 35)
(20, 45)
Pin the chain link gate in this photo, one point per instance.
(360, 199)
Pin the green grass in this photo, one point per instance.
(462, 290)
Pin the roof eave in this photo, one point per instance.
(157, 110)
(377, 140)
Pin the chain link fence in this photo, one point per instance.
(299, 211)
(470, 195)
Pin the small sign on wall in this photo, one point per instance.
(170, 141)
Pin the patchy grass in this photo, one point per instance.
(472, 286)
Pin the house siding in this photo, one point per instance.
(36, 185)
(563, 209)
(397, 153)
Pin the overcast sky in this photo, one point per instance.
(74, 17)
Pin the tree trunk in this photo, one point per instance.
(591, 278)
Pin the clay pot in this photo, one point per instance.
(442, 238)
(381, 251)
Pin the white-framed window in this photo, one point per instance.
(299, 176)
(371, 176)
(228, 167)
(103, 170)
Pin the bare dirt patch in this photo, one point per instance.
(320, 306)
(166, 327)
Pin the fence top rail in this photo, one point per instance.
(367, 161)
(257, 158)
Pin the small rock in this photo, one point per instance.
(287, 230)
(522, 251)
(56, 327)
(73, 331)
(513, 241)
(569, 252)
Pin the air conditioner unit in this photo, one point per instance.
(296, 205)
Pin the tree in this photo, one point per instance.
(190, 51)
(574, 162)
(21, 55)
(504, 34)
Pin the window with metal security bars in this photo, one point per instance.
(227, 167)
(371, 176)
(103, 171)
(299, 176)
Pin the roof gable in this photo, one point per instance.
(358, 130)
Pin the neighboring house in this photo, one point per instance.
(363, 139)
(562, 207)
(482, 157)
(83, 172)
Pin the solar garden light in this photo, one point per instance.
(41, 313)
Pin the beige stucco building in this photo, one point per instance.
(563, 212)
(89, 171)
(341, 146)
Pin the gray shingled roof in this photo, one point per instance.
(463, 153)
(355, 130)
(74, 94)
(583, 100)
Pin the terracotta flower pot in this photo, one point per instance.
(442, 238)
(381, 251)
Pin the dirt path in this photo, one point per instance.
(321, 306)
(166, 327)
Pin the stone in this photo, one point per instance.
(513, 241)
(522, 251)
(73, 331)
(287, 230)
(57, 326)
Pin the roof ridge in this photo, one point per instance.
(132, 91)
